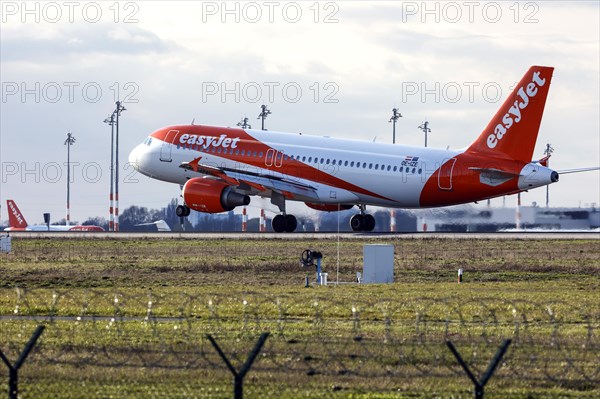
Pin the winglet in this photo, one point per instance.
(513, 131)
(15, 218)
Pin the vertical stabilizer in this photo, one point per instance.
(15, 218)
(513, 131)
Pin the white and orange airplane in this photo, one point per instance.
(220, 168)
(17, 222)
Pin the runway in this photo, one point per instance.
(525, 235)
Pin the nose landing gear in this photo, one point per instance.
(182, 211)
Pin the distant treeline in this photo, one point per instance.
(130, 219)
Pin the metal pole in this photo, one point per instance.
(69, 142)
(111, 216)
(118, 111)
(13, 369)
(393, 119)
(548, 151)
(238, 376)
(425, 128)
(116, 209)
(479, 385)
(263, 115)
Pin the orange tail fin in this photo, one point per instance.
(513, 131)
(15, 218)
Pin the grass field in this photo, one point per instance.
(146, 305)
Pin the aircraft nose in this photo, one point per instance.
(133, 157)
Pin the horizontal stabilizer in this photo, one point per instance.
(565, 171)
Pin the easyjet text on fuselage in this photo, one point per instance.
(207, 141)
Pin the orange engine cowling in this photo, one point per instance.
(211, 196)
(328, 207)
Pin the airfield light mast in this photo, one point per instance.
(117, 112)
(245, 125)
(425, 128)
(263, 115)
(394, 118)
(69, 142)
(111, 121)
(548, 151)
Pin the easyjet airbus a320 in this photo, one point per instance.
(221, 168)
(17, 222)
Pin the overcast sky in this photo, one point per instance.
(331, 68)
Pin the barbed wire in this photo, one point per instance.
(553, 343)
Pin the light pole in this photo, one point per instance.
(244, 124)
(263, 115)
(425, 128)
(69, 142)
(111, 121)
(394, 118)
(548, 151)
(117, 112)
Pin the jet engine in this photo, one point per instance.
(212, 196)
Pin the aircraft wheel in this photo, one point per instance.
(278, 223)
(182, 211)
(368, 223)
(290, 223)
(357, 222)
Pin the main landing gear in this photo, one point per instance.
(283, 222)
(182, 211)
(362, 221)
(287, 223)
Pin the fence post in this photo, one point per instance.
(480, 385)
(238, 376)
(13, 370)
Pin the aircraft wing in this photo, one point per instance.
(260, 181)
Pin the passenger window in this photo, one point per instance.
(376, 167)
(395, 168)
(370, 166)
(420, 171)
(401, 168)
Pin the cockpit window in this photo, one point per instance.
(148, 140)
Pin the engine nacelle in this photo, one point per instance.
(211, 196)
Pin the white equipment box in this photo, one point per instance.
(378, 266)
(5, 244)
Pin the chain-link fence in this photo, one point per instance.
(103, 344)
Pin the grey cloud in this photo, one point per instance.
(83, 41)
